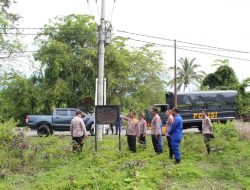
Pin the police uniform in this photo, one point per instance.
(156, 125)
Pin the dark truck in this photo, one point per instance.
(59, 121)
(220, 105)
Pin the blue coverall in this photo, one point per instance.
(176, 136)
(118, 125)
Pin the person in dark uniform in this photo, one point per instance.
(118, 126)
(112, 129)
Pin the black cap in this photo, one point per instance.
(155, 109)
(175, 109)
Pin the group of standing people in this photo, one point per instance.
(174, 125)
(138, 129)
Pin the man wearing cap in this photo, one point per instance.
(176, 134)
(131, 131)
(156, 131)
(78, 131)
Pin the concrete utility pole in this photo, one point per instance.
(100, 85)
(175, 87)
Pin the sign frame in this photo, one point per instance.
(116, 109)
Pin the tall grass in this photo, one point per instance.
(48, 163)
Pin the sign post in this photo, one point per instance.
(106, 115)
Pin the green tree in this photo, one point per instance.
(187, 74)
(135, 77)
(244, 99)
(68, 55)
(9, 41)
(18, 97)
(224, 78)
(221, 62)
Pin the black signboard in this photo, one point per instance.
(108, 114)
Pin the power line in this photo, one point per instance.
(22, 34)
(55, 51)
(21, 28)
(185, 49)
(97, 7)
(111, 17)
(89, 8)
(205, 47)
(190, 43)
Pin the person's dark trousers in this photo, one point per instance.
(171, 152)
(176, 149)
(207, 142)
(112, 129)
(117, 128)
(132, 142)
(142, 140)
(78, 144)
(155, 141)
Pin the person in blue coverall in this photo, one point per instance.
(118, 125)
(176, 133)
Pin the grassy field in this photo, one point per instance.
(48, 163)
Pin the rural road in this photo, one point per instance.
(33, 133)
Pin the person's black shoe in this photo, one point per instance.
(116, 134)
(171, 157)
(177, 162)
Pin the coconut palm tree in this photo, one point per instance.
(187, 74)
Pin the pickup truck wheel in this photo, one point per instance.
(43, 131)
(92, 129)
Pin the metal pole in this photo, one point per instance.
(175, 87)
(96, 84)
(101, 66)
(104, 103)
(120, 147)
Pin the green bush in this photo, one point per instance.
(226, 131)
(7, 132)
(48, 163)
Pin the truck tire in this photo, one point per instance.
(92, 129)
(43, 131)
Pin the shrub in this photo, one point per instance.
(7, 132)
(226, 131)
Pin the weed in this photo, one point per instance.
(48, 163)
